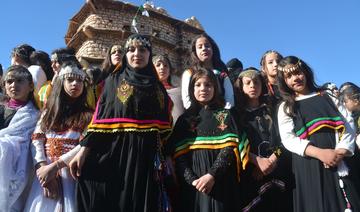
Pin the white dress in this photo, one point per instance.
(50, 147)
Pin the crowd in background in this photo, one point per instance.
(132, 136)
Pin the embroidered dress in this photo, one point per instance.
(15, 162)
(50, 147)
(208, 142)
(318, 122)
(273, 190)
(123, 169)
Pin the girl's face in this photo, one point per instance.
(18, 88)
(204, 49)
(115, 55)
(55, 65)
(271, 62)
(252, 87)
(137, 56)
(296, 81)
(203, 90)
(163, 70)
(351, 104)
(73, 87)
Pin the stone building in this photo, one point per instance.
(101, 23)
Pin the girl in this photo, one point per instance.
(269, 62)
(206, 54)
(18, 116)
(164, 69)
(119, 167)
(55, 142)
(209, 150)
(319, 138)
(266, 180)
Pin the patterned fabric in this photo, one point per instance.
(313, 126)
(203, 136)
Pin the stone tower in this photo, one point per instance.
(101, 23)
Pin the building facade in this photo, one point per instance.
(101, 23)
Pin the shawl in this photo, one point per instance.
(15, 161)
(210, 129)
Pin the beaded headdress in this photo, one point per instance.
(72, 71)
(116, 48)
(251, 73)
(290, 67)
(138, 38)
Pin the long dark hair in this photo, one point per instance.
(42, 59)
(216, 102)
(62, 113)
(107, 65)
(19, 72)
(288, 94)
(196, 64)
(165, 59)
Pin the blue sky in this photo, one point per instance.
(324, 33)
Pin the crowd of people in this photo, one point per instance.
(132, 136)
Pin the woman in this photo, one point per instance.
(18, 117)
(164, 69)
(119, 164)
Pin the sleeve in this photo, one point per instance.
(229, 93)
(222, 163)
(67, 157)
(185, 81)
(288, 137)
(37, 144)
(347, 140)
(184, 170)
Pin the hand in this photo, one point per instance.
(329, 157)
(46, 173)
(77, 162)
(205, 183)
(52, 189)
(265, 165)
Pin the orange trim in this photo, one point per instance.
(205, 146)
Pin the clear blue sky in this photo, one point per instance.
(324, 33)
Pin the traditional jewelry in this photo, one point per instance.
(290, 67)
(221, 117)
(124, 91)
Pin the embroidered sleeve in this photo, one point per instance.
(223, 161)
(38, 145)
(184, 169)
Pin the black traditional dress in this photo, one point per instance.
(274, 190)
(123, 170)
(318, 189)
(209, 142)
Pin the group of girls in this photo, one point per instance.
(273, 140)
